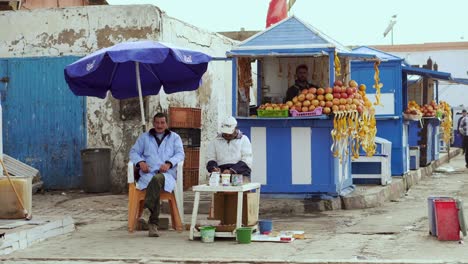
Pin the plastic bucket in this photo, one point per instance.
(244, 235)
(207, 234)
(265, 226)
(448, 225)
(431, 214)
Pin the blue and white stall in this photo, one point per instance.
(424, 134)
(292, 155)
(394, 72)
(389, 116)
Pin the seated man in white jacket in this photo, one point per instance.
(230, 152)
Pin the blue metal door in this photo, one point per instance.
(43, 122)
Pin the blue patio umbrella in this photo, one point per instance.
(137, 69)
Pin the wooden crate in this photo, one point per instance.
(191, 137)
(181, 117)
(190, 178)
(192, 158)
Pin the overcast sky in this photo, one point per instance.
(358, 22)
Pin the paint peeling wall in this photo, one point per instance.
(214, 96)
(74, 30)
(82, 30)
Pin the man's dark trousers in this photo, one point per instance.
(152, 199)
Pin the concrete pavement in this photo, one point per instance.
(394, 232)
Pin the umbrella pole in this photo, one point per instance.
(143, 123)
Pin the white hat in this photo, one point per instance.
(228, 126)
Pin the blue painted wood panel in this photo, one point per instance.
(325, 174)
(43, 122)
(290, 32)
(390, 129)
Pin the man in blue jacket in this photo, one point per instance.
(156, 153)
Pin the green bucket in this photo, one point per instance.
(244, 235)
(207, 234)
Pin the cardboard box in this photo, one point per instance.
(225, 208)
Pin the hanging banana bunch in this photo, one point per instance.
(446, 122)
(368, 131)
(345, 136)
(378, 85)
(339, 135)
(337, 65)
(354, 126)
(354, 134)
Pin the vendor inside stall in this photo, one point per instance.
(301, 82)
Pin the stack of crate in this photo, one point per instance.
(187, 123)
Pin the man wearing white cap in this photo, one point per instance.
(230, 152)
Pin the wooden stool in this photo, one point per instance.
(136, 200)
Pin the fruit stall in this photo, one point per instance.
(436, 117)
(400, 118)
(301, 147)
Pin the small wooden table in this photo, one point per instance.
(240, 197)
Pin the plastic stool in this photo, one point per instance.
(136, 200)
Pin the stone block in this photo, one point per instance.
(52, 233)
(15, 245)
(34, 234)
(54, 224)
(6, 251)
(23, 243)
(11, 237)
(68, 229)
(67, 220)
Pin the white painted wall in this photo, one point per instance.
(82, 30)
(452, 61)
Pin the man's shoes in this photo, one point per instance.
(153, 230)
(142, 224)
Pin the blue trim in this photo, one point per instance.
(331, 62)
(437, 91)
(320, 117)
(271, 52)
(220, 59)
(388, 117)
(278, 159)
(323, 172)
(234, 87)
(427, 73)
(374, 167)
(378, 53)
(287, 122)
(404, 88)
(246, 131)
(376, 181)
(460, 81)
(357, 55)
(259, 82)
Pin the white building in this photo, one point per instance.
(451, 57)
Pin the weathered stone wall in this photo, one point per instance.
(82, 30)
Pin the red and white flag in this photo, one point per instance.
(277, 11)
